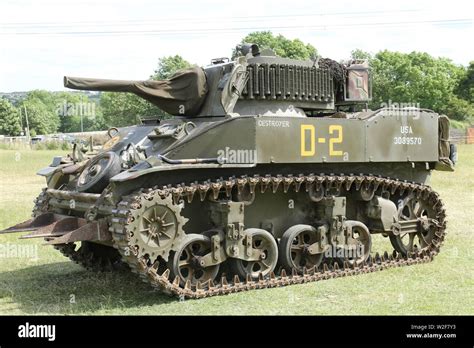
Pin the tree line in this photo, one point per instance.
(417, 78)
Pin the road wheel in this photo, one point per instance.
(294, 246)
(261, 240)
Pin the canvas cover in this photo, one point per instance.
(444, 149)
(183, 94)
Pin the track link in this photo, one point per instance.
(160, 279)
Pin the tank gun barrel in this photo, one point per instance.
(103, 85)
(182, 94)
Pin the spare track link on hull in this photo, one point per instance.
(376, 262)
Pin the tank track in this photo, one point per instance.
(91, 257)
(160, 279)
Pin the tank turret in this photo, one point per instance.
(256, 82)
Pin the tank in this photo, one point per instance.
(264, 175)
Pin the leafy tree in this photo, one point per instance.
(122, 109)
(97, 122)
(465, 88)
(70, 107)
(282, 46)
(41, 119)
(67, 107)
(41, 109)
(458, 109)
(167, 66)
(361, 54)
(47, 98)
(414, 78)
(9, 119)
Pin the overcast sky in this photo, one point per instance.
(41, 41)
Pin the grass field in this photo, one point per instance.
(50, 284)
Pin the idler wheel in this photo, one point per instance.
(412, 208)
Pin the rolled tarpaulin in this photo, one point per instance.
(181, 95)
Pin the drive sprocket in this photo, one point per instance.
(155, 225)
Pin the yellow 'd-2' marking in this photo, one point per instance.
(310, 130)
(335, 128)
(312, 146)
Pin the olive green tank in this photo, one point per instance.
(264, 176)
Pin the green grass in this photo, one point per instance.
(46, 285)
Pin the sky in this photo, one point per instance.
(41, 41)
